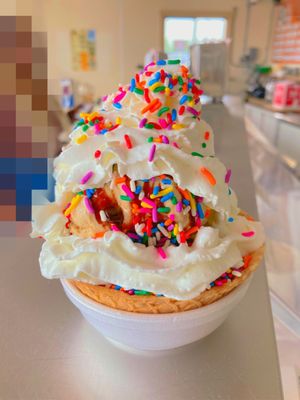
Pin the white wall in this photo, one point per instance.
(126, 29)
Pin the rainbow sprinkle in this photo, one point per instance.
(208, 176)
(81, 139)
(128, 191)
(88, 205)
(152, 153)
(74, 203)
(248, 234)
(228, 176)
(97, 154)
(162, 253)
(86, 177)
(128, 141)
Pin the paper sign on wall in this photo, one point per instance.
(83, 46)
(286, 42)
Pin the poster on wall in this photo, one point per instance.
(83, 47)
(286, 42)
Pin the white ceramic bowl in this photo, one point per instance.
(155, 331)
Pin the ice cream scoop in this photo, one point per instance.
(154, 211)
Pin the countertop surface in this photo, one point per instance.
(286, 116)
(291, 118)
(49, 352)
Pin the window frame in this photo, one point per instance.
(195, 14)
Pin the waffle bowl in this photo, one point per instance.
(151, 304)
(158, 332)
(153, 323)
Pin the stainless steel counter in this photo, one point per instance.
(291, 118)
(48, 351)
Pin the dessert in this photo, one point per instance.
(144, 218)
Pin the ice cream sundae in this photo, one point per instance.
(144, 218)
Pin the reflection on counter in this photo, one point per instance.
(274, 146)
(280, 131)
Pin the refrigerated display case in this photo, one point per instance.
(209, 62)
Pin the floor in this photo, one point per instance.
(278, 201)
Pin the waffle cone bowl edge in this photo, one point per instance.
(150, 304)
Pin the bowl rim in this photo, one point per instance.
(204, 311)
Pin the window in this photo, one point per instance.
(181, 32)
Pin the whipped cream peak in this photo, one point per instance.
(162, 96)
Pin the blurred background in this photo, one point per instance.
(247, 53)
